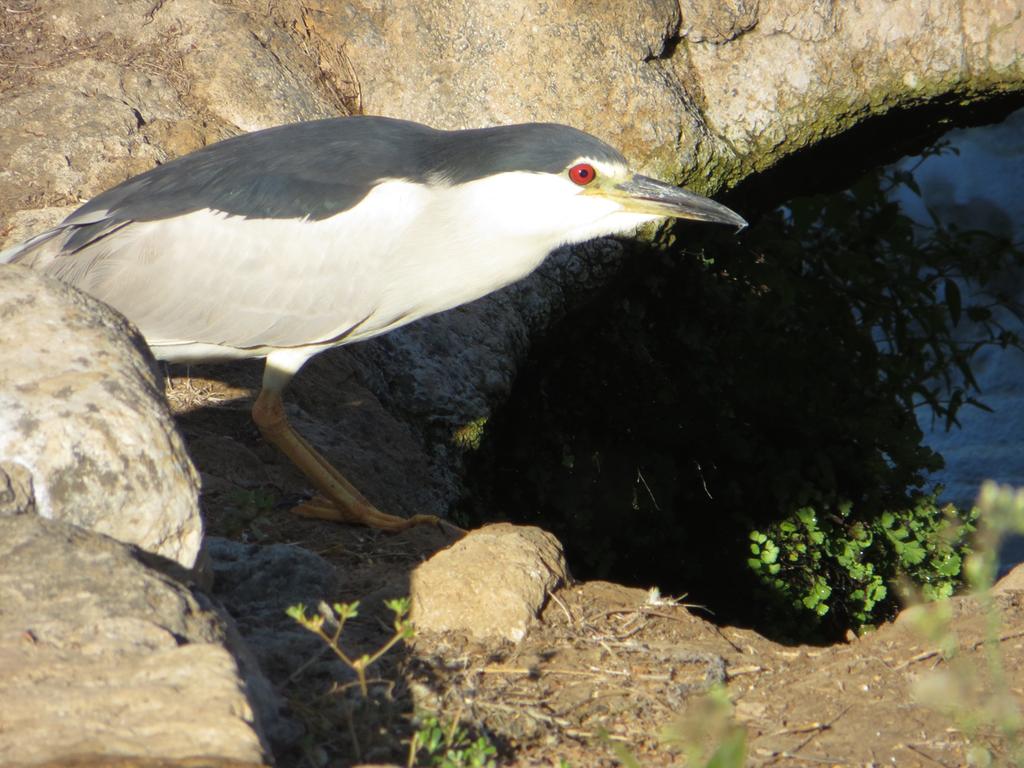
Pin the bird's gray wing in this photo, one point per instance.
(228, 245)
(311, 170)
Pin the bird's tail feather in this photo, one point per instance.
(32, 249)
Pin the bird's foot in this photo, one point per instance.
(339, 501)
(322, 508)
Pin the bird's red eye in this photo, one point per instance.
(582, 173)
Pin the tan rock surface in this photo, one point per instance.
(101, 656)
(492, 584)
(82, 415)
(1011, 582)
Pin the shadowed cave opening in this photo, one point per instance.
(702, 395)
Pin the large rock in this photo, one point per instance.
(85, 432)
(104, 658)
(186, 72)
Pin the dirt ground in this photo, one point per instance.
(609, 673)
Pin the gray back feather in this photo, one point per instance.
(320, 168)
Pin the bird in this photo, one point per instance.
(288, 241)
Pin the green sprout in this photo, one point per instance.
(449, 746)
(337, 615)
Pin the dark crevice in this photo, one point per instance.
(668, 48)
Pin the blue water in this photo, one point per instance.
(981, 188)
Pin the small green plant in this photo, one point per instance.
(254, 502)
(441, 745)
(337, 615)
(469, 436)
(1002, 510)
(832, 562)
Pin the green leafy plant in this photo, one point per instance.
(440, 745)
(329, 623)
(834, 562)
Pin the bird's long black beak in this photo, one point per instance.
(642, 194)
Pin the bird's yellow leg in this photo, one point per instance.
(341, 501)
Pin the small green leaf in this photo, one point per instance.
(912, 553)
(346, 610)
(399, 606)
(949, 565)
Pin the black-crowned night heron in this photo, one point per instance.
(292, 240)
